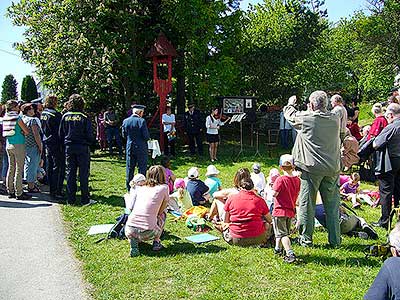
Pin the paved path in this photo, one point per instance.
(35, 259)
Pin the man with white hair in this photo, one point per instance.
(135, 130)
(339, 109)
(389, 182)
(316, 153)
(386, 285)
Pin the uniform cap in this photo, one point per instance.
(139, 106)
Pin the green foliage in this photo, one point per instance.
(28, 89)
(9, 89)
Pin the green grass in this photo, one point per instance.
(214, 270)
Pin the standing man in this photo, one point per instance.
(112, 131)
(339, 109)
(284, 130)
(77, 135)
(317, 153)
(135, 130)
(194, 126)
(389, 182)
(54, 151)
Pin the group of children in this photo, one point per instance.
(280, 191)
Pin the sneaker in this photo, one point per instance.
(90, 202)
(157, 246)
(11, 196)
(291, 258)
(23, 196)
(371, 232)
(278, 252)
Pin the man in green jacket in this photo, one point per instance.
(316, 153)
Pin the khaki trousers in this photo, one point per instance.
(16, 159)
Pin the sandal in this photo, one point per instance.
(34, 190)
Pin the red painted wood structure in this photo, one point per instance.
(162, 52)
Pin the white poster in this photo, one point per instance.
(249, 103)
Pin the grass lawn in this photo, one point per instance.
(214, 270)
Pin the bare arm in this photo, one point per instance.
(24, 128)
(36, 135)
(268, 218)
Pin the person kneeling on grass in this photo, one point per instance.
(147, 220)
(247, 219)
(286, 190)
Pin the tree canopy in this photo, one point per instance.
(9, 89)
(28, 89)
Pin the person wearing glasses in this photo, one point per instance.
(386, 285)
(389, 182)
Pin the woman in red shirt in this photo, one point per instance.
(247, 217)
(379, 123)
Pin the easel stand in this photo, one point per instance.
(257, 154)
(239, 118)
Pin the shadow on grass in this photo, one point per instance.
(335, 261)
(113, 200)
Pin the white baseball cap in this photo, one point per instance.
(286, 160)
(193, 173)
(138, 178)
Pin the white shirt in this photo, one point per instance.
(259, 181)
(212, 125)
(168, 119)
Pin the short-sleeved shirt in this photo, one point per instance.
(288, 189)
(377, 126)
(246, 210)
(18, 138)
(350, 189)
(30, 138)
(196, 189)
(213, 183)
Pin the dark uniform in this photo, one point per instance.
(135, 130)
(55, 160)
(76, 132)
(193, 124)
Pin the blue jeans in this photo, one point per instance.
(32, 160)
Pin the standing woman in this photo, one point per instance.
(101, 131)
(213, 124)
(147, 219)
(168, 120)
(33, 146)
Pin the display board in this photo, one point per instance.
(231, 105)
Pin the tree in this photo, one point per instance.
(28, 89)
(9, 89)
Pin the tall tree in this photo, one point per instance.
(9, 89)
(28, 89)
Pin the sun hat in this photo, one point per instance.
(286, 160)
(193, 173)
(256, 166)
(179, 183)
(212, 170)
(273, 175)
(138, 178)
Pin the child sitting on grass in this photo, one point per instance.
(197, 189)
(181, 196)
(351, 189)
(258, 179)
(286, 190)
(212, 181)
(130, 199)
(170, 176)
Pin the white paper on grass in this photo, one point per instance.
(102, 228)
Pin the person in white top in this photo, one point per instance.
(213, 124)
(339, 109)
(168, 120)
(258, 179)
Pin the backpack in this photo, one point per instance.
(118, 230)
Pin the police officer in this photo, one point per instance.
(76, 132)
(55, 162)
(135, 130)
(193, 124)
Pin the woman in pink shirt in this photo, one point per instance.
(147, 219)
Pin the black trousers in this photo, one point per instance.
(55, 168)
(169, 146)
(389, 186)
(78, 158)
(199, 142)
